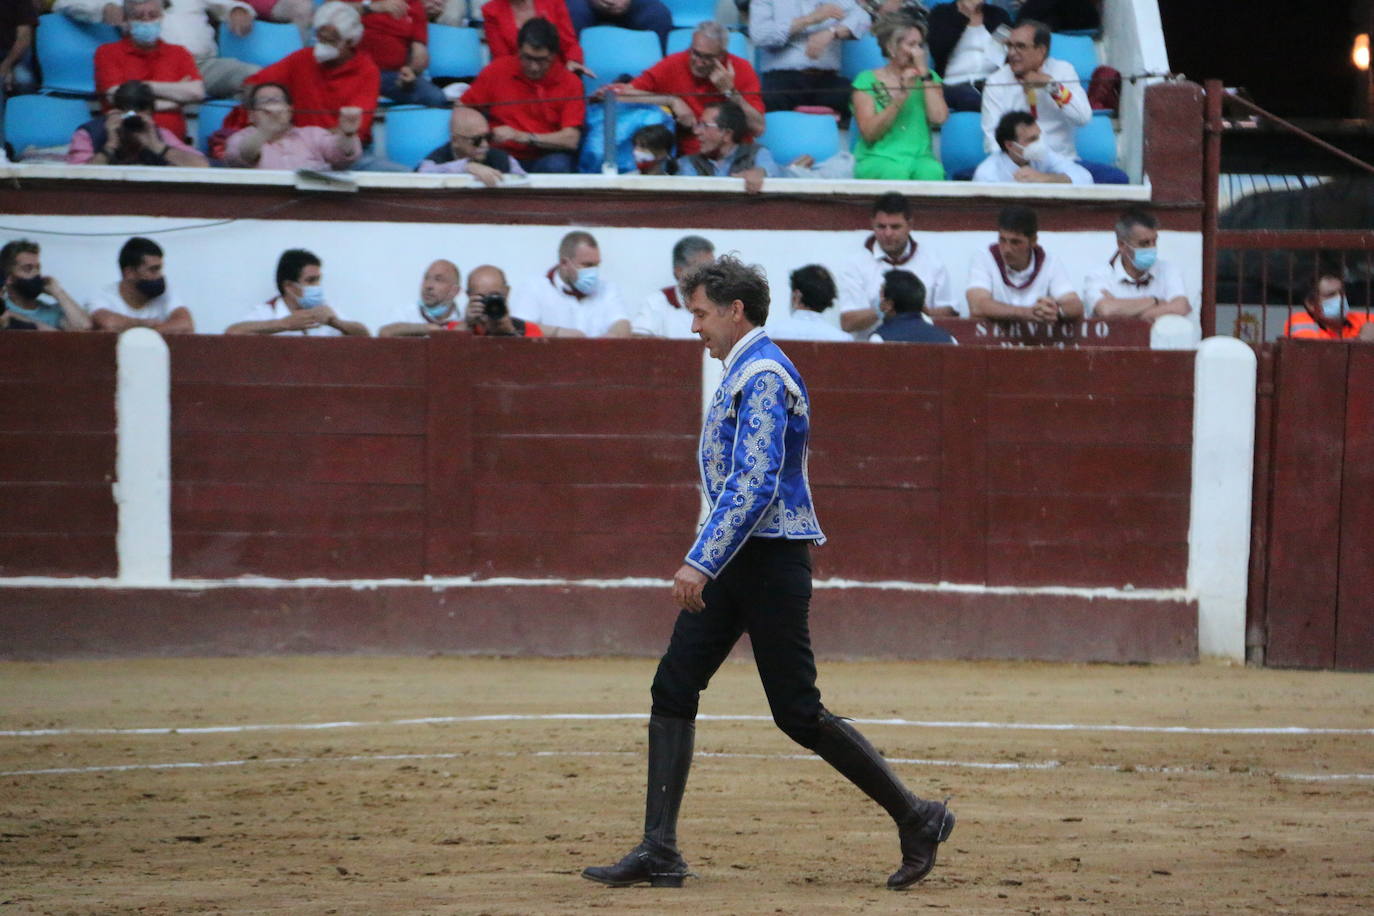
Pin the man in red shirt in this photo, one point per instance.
(688, 81)
(332, 75)
(1326, 315)
(142, 55)
(396, 36)
(543, 127)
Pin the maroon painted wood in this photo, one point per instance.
(45, 508)
(57, 455)
(286, 457)
(1173, 142)
(1094, 333)
(255, 359)
(1305, 525)
(64, 554)
(297, 507)
(355, 554)
(449, 487)
(337, 408)
(1355, 604)
(963, 527)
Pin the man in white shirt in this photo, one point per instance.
(1024, 157)
(664, 314)
(1017, 280)
(141, 298)
(437, 308)
(186, 23)
(572, 299)
(1134, 283)
(300, 306)
(813, 291)
(891, 246)
(1032, 81)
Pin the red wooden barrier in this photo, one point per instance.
(1097, 332)
(1355, 607)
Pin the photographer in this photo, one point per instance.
(128, 136)
(488, 313)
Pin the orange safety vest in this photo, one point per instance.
(1302, 324)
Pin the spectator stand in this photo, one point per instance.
(790, 134)
(611, 52)
(66, 53)
(455, 54)
(39, 127)
(413, 131)
(266, 43)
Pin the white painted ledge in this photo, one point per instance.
(143, 463)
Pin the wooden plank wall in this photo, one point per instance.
(1355, 596)
(57, 454)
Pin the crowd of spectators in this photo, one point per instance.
(889, 286)
(966, 55)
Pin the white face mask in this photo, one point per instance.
(1334, 307)
(1034, 151)
(586, 280)
(326, 53)
(643, 155)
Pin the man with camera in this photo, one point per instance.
(488, 313)
(437, 308)
(129, 136)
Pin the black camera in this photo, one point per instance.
(494, 306)
(131, 123)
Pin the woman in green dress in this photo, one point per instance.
(896, 105)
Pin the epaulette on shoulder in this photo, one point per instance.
(796, 401)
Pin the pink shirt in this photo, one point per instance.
(298, 148)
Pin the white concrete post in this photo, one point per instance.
(1223, 471)
(712, 371)
(143, 466)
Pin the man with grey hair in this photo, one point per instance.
(1134, 283)
(167, 69)
(189, 23)
(749, 571)
(688, 81)
(572, 299)
(664, 314)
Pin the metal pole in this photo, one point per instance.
(608, 110)
(1211, 178)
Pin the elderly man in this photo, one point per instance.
(437, 308)
(813, 291)
(116, 138)
(300, 306)
(188, 23)
(34, 298)
(488, 313)
(168, 69)
(542, 135)
(396, 35)
(273, 142)
(1326, 314)
(325, 79)
(705, 74)
(1015, 279)
(1024, 157)
(799, 50)
(891, 246)
(469, 151)
(141, 298)
(1134, 283)
(573, 299)
(1033, 81)
(725, 150)
(663, 313)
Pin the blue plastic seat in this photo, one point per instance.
(610, 51)
(210, 119)
(961, 142)
(790, 134)
(1078, 50)
(66, 52)
(681, 40)
(454, 53)
(413, 132)
(43, 121)
(1096, 141)
(687, 13)
(860, 54)
(264, 45)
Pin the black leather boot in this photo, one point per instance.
(921, 825)
(656, 859)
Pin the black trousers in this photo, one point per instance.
(784, 90)
(764, 591)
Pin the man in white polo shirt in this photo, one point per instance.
(572, 299)
(891, 246)
(663, 313)
(1015, 279)
(1134, 283)
(300, 306)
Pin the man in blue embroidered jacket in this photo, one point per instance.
(749, 570)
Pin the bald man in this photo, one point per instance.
(488, 313)
(436, 309)
(469, 151)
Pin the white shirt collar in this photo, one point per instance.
(740, 346)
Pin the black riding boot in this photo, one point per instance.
(656, 859)
(921, 825)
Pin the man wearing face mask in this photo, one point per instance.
(572, 299)
(1024, 157)
(300, 306)
(1134, 283)
(168, 69)
(1327, 315)
(435, 310)
(141, 298)
(34, 298)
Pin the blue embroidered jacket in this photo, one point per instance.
(753, 456)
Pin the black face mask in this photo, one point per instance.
(28, 287)
(151, 289)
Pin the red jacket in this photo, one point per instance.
(121, 61)
(498, 24)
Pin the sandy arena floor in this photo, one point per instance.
(495, 813)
